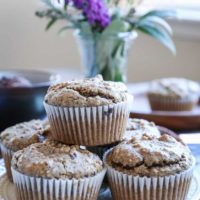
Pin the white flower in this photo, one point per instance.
(122, 6)
(59, 4)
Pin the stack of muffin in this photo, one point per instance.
(143, 163)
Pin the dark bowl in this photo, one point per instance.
(24, 103)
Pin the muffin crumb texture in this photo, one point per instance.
(23, 134)
(138, 127)
(51, 159)
(151, 156)
(174, 88)
(86, 92)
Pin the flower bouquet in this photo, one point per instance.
(105, 30)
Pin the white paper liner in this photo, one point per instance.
(7, 156)
(130, 101)
(158, 102)
(33, 188)
(88, 126)
(127, 187)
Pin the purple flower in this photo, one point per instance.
(79, 4)
(66, 2)
(95, 11)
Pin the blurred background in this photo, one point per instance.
(25, 44)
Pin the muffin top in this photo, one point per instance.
(137, 127)
(51, 159)
(86, 92)
(150, 156)
(10, 81)
(24, 134)
(174, 87)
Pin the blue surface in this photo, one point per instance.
(195, 148)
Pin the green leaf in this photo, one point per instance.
(160, 35)
(64, 29)
(155, 21)
(65, 7)
(117, 26)
(85, 27)
(51, 23)
(154, 25)
(48, 3)
(159, 13)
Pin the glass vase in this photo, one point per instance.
(105, 54)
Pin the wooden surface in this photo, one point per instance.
(181, 121)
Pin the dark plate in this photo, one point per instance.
(179, 121)
(24, 103)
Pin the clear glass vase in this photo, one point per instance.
(105, 54)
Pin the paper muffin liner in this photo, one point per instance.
(127, 187)
(7, 156)
(34, 188)
(161, 103)
(88, 126)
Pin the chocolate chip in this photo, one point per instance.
(109, 111)
(72, 155)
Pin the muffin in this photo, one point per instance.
(11, 81)
(137, 127)
(51, 170)
(173, 94)
(89, 112)
(167, 131)
(20, 136)
(150, 168)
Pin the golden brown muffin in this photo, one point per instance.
(150, 168)
(51, 159)
(89, 112)
(23, 134)
(62, 171)
(151, 156)
(86, 92)
(173, 94)
(138, 127)
(20, 136)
